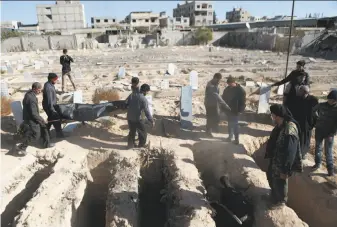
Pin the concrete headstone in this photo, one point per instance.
(164, 84)
(37, 65)
(194, 80)
(186, 107)
(171, 69)
(77, 98)
(121, 73)
(17, 112)
(4, 89)
(264, 99)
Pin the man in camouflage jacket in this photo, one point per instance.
(283, 150)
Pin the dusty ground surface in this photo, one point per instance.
(150, 65)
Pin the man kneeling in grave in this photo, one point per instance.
(212, 103)
(33, 126)
(137, 104)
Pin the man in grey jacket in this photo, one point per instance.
(137, 103)
(212, 103)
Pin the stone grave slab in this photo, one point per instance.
(186, 108)
(280, 89)
(264, 99)
(171, 69)
(17, 112)
(165, 84)
(77, 98)
(121, 73)
(4, 88)
(150, 103)
(194, 80)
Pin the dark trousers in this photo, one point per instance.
(54, 119)
(212, 119)
(279, 187)
(233, 126)
(328, 145)
(305, 140)
(137, 126)
(31, 133)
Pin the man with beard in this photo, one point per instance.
(326, 128)
(296, 78)
(212, 102)
(48, 102)
(303, 114)
(283, 150)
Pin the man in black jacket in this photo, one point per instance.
(137, 103)
(235, 96)
(65, 61)
(303, 114)
(213, 104)
(33, 126)
(48, 102)
(326, 128)
(283, 150)
(296, 78)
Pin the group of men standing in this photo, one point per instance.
(294, 121)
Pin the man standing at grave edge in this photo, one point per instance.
(33, 126)
(65, 61)
(137, 103)
(303, 114)
(48, 103)
(235, 96)
(212, 102)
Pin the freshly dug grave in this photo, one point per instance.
(214, 159)
(311, 195)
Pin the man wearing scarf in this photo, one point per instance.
(303, 114)
(48, 103)
(326, 128)
(296, 78)
(283, 150)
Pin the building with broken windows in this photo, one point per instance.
(64, 15)
(103, 22)
(238, 15)
(143, 21)
(199, 12)
(173, 23)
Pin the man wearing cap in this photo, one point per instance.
(48, 102)
(212, 103)
(283, 150)
(303, 114)
(33, 124)
(326, 128)
(296, 78)
(235, 96)
(137, 103)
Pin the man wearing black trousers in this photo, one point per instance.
(137, 103)
(48, 102)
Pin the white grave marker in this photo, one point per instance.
(280, 89)
(17, 112)
(25, 61)
(150, 103)
(250, 84)
(194, 80)
(37, 65)
(19, 67)
(264, 98)
(164, 84)
(4, 88)
(121, 73)
(4, 68)
(171, 68)
(77, 98)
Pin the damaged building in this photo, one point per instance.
(143, 21)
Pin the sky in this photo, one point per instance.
(25, 11)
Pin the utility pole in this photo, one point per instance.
(290, 33)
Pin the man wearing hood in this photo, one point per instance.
(137, 103)
(283, 150)
(326, 128)
(303, 114)
(48, 103)
(296, 78)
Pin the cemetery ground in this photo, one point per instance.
(91, 179)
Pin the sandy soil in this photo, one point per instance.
(150, 65)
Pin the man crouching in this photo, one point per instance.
(283, 150)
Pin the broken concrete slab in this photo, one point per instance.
(121, 73)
